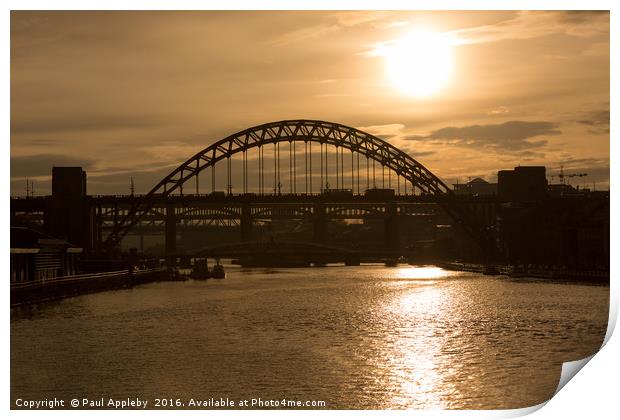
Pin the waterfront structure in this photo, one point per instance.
(36, 256)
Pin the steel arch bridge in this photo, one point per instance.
(324, 133)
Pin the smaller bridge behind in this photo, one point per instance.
(288, 253)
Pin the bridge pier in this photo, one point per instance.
(392, 227)
(171, 234)
(319, 222)
(98, 227)
(352, 261)
(246, 222)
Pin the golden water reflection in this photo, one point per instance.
(368, 337)
(422, 272)
(417, 364)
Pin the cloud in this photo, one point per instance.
(385, 131)
(499, 110)
(598, 121)
(40, 142)
(581, 16)
(94, 122)
(144, 179)
(525, 25)
(596, 170)
(306, 34)
(535, 24)
(508, 136)
(418, 153)
(333, 23)
(172, 151)
(333, 95)
(360, 17)
(579, 162)
(41, 165)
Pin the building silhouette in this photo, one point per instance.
(477, 187)
(69, 216)
(524, 183)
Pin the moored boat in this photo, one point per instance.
(217, 272)
(200, 270)
(490, 270)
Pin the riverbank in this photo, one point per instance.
(538, 272)
(62, 287)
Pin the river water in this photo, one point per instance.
(354, 337)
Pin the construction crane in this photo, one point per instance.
(563, 177)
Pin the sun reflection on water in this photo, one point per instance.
(429, 272)
(415, 363)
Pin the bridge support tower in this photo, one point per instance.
(246, 222)
(392, 228)
(319, 222)
(171, 234)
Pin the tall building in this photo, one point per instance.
(68, 181)
(69, 216)
(523, 184)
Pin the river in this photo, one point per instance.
(368, 337)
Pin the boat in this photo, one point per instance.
(175, 275)
(490, 270)
(391, 262)
(217, 272)
(516, 271)
(200, 270)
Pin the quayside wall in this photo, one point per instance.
(61, 287)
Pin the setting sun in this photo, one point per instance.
(420, 63)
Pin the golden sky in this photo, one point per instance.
(133, 94)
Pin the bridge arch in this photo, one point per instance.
(323, 132)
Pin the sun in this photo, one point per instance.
(420, 63)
